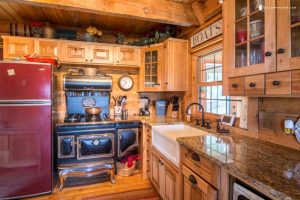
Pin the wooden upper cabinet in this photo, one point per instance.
(46, 48)
(249, 44)
(151, 68)
(127, 56)
(278, 83)
(236, 86)
(74, 52)
(101, 54)
(288, 35)
(175, 65)
(255, 85)
(17, 47)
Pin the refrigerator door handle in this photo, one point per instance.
(25, 102)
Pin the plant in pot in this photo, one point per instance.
(92, 33)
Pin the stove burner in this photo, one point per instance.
(93, 118)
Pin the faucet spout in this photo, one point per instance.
(189, 113)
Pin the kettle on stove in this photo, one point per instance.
(144, 106)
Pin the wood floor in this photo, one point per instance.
(126, 188)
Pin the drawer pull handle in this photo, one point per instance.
(252, 85)
(234, 85)
(195, 157)
(276, 83)
(280, 51)
(192, 179)
(268, 53)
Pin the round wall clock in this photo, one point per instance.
(125, 82)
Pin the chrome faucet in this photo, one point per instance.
(189, 113)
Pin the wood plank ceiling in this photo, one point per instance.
(13, 11)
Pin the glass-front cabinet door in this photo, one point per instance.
(288, 34)
(250, 24)
(150, 79)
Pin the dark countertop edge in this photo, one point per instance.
(263, 188)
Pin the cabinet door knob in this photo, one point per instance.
(276, 83)
(252, 85)
(195, 157)
(192, 179)
(280, 51)
(234, 85)
(86, 60)
(166, 83)
(268, 53)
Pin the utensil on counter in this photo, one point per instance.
(297, 130)
(93, 110)
(289, 127)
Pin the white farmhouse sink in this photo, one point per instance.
(164, 139)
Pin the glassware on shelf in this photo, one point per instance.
(257, 52)
(240, 9)
(241, 36)
(256, 5)
(295, 44)
(295, 11)
(256, 28)
(241, 56)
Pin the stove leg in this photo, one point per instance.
(112, 176)
(61, 181)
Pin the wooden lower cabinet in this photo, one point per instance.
(164, 177)
(195, 188)
(296, 82)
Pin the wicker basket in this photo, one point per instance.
(124, 170)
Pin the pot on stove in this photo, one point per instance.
(93, 110)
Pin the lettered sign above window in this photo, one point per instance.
(210, 32)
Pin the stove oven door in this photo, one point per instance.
(95, 146)
(127, 140)
(66, 146)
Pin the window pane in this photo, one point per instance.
(208, 75)
(214, 92)
(208, 62)
(218, 74)
(222, 107)
(209, 68)
(214, 106)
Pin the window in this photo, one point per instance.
(209, 84)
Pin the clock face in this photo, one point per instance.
(125, 82)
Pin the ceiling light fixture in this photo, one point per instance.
(221, 1)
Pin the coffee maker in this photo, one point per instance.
(144, 106)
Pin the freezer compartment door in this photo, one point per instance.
(20, 81)
(25, 150)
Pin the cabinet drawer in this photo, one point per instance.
(195, 187)
(236, 86)
(296, 82)
(202, 166)
(255, 85)
(278, 83)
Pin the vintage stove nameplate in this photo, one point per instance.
(210, 32)
(11, 72)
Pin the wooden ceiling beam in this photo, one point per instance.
(163, 11)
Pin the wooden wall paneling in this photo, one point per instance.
(296, 82)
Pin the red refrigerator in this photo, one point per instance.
(25, 129)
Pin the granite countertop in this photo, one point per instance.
(271, 168)
(159, 120)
